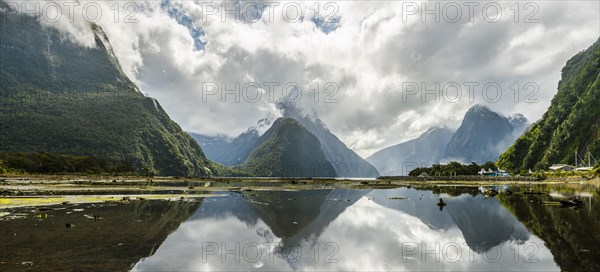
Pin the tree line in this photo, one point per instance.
(53, 163)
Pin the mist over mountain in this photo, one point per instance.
(235, 151)
(232, 151)
(288, 149)
(425, 150)
(226, 150)
(481, 137)
(62, 97)
(345, 161)
(285, 149)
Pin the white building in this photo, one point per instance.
(561, 167)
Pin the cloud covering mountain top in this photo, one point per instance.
(371, 70)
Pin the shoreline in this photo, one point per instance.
(42, 190)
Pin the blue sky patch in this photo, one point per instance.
(326, 27)
(183, 19)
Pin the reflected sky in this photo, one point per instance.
(342, 229)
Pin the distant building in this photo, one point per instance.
(561, 167)
(584, 169)
(484, 172)
(493, 173)
(502, 173)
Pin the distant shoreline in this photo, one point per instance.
(464, 178)
(43, 190)
(461, 178)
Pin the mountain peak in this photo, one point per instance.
(346, 162)
(291, 110)
(288, 149)
(481, 113)
(518, 122)
(262, 125)
(479, 108)
(517, 119)
(436, 129)
(483, 134)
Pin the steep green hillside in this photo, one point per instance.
(344, 160)
(288, 149)
(572, 122)
(51, 163)
(58, 96)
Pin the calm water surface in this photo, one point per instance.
(336, 229)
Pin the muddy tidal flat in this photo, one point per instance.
(229, 224)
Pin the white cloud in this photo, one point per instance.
(371, 53)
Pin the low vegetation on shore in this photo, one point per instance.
(452, 169)
(51, 163)
(456, 169)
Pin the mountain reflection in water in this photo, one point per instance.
(343, 229)
(327, 229)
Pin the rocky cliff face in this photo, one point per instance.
(483, 135)
(58, 96)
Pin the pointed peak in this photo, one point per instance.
(479, 108)
(437, 128)
(287, 107)
(262, 125)
(518, 121)
(518, 117)
(479, 111)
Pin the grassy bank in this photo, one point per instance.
(45, 190)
